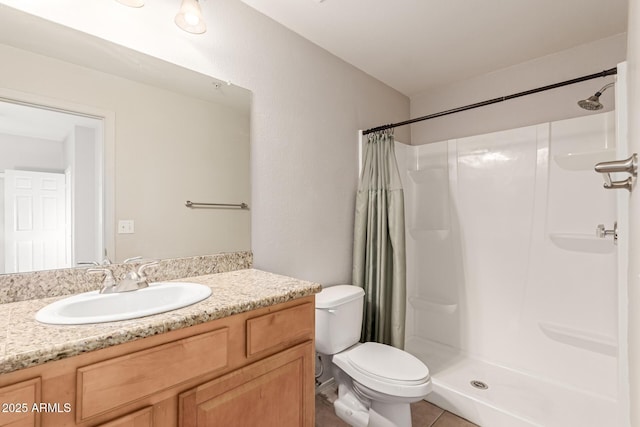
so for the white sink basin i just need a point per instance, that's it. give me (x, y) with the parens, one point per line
(93, 307)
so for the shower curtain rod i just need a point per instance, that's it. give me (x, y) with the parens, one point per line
(604, 73)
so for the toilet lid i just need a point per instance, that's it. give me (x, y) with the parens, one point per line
(388, 363)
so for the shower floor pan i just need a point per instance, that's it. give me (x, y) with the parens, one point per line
(511, 398)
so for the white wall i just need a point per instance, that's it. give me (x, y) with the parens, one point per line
(555, 104)
(307, 107)
(21, 152)
(633, 59)
(86, 215)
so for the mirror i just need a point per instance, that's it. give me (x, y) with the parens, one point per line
(51, 179)
(131, 137)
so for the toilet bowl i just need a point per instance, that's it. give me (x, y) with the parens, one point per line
(376, 382)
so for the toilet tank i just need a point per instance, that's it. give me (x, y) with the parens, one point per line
(338, 318)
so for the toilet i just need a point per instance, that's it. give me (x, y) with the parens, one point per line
(376, 382)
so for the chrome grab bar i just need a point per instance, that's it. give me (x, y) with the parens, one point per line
(629, 166)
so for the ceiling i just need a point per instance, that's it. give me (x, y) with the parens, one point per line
(415, 45)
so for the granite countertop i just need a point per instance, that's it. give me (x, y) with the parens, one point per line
(24, 342)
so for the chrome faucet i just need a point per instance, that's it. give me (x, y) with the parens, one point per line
(135, 280)
(132, 281)
(109, 282)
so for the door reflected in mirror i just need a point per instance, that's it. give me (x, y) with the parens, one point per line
(51, 211)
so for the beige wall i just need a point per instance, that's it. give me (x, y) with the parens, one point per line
(307, 108)
(169, 148)
(555, 104)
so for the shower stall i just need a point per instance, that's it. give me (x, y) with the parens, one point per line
(515, 281)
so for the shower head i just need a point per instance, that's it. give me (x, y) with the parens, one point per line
(592, 103)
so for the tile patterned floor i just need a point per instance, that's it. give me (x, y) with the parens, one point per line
(423, 414)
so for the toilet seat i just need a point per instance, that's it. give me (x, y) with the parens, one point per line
(385, 369)
(387, 363)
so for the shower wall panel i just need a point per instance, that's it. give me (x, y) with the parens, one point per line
(504, 265)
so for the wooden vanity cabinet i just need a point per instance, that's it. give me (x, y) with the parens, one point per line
(268, 393)
(141, 418)
(249, 369)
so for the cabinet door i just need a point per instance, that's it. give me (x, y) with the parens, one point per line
(141, 418)
(274, 392)
(17, 402)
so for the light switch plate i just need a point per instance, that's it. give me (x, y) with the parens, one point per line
(125, 226)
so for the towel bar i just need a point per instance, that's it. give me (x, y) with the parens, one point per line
(191, 204)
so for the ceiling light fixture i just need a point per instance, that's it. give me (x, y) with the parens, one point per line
(132, 3)
(190, 17)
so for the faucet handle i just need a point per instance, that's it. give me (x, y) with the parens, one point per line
(108, 275)
(135, 258)
(143, 267)
(108, 283)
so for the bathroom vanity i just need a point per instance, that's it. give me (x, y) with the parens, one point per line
(243, 357)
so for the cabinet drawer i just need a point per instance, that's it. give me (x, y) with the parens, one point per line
(106, 385)
(279, 329)
(17, 402)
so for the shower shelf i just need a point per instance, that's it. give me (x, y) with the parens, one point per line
(582, 243)
(584, 161)
(580, 338)
(432, 305)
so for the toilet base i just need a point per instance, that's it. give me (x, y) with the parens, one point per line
(361, 412)
(352, 412)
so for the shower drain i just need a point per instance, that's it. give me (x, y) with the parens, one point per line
(479, 384)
